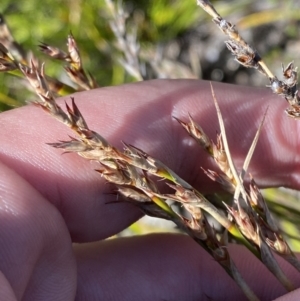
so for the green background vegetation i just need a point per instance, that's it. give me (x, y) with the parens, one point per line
(159, 23)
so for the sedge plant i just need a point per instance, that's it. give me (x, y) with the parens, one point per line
(245, 219)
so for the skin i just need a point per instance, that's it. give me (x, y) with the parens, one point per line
(49, 202)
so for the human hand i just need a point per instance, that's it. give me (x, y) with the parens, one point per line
(49, 200)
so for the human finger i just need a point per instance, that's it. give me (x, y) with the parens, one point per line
(36, 258)
(168, 267)
(141, 114)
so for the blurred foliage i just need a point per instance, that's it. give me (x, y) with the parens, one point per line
(32, 22)
(159, 22)
(285, 207)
